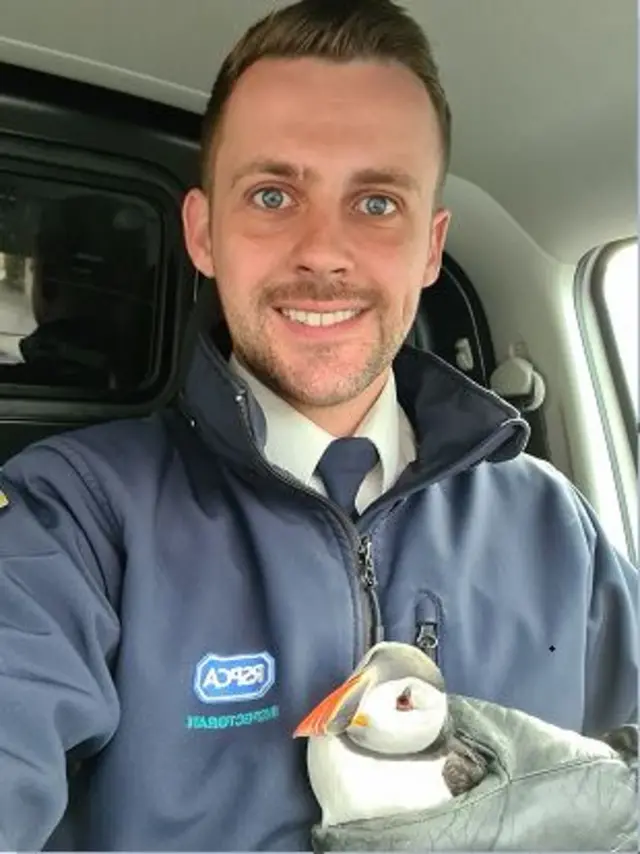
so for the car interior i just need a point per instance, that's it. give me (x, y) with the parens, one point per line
(100, 107)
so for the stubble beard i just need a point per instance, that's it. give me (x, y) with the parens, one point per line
(309, 381)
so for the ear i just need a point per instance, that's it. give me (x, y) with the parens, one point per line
(438, 237)
(197, 234)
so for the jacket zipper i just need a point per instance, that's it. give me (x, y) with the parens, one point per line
(375, 629)
(362, 546)
(427, 628)
(427, 639)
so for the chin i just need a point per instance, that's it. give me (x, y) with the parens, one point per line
(329, 383)
(321, 392)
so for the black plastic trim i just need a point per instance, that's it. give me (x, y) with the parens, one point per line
(436, 314)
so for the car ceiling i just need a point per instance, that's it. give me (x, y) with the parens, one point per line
(543, 92)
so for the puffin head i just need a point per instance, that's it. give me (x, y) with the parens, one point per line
(395, 703)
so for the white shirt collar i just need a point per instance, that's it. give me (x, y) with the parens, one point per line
(296, 444)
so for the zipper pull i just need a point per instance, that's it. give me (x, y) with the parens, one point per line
(370, 582)
(367, 569)
(427, 639)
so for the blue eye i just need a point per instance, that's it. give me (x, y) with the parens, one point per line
(377, 206)
(271, 198)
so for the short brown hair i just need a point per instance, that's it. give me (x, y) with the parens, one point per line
(338, 30)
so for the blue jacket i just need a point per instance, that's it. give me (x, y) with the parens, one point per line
(171, 607)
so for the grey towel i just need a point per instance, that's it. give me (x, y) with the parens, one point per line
(547, 789)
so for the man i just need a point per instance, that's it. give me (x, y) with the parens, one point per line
(177, 592)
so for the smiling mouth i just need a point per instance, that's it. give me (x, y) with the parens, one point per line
(320, 318)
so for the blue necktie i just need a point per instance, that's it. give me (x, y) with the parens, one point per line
(343, 467)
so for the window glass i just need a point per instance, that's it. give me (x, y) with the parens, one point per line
(620, 297)
(78, 278)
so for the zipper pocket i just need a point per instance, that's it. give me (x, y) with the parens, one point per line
(427, 628)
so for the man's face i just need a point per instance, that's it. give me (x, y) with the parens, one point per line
(321, 230)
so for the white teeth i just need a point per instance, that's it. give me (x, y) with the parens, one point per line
(316, 318)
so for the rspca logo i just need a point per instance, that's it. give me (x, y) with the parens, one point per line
(235, 678)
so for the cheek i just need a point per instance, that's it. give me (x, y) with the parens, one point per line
(411, 305)
(402, 280)
(244, 261)
(399, 260)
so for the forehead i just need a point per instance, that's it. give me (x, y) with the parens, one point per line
(316, 112)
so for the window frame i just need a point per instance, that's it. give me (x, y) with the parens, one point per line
(31, 159)
(609, 341)
(608, 382)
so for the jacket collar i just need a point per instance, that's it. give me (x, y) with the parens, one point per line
(457, 423)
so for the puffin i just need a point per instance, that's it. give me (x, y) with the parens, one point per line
(383, 742)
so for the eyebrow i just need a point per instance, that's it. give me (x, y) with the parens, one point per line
(388, 177)
(277, 168)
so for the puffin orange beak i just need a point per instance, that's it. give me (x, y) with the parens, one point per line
(318, 721)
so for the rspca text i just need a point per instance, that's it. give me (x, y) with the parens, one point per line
(223, 679)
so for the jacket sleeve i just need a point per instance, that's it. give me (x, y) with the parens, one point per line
(613, 642)
(58, 636)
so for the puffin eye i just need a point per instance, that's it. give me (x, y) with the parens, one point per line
(403, 702)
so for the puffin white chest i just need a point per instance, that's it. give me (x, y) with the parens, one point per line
(351, 784)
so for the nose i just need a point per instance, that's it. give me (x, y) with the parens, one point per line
(321, 248)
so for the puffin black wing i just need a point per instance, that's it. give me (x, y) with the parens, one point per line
(624, 740)
(464, 768)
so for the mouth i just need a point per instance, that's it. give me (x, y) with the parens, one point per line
(325, 717)
(315, 319)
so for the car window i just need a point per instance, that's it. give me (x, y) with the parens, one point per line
(78, 271)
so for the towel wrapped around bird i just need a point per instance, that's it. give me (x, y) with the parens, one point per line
(397, 764)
